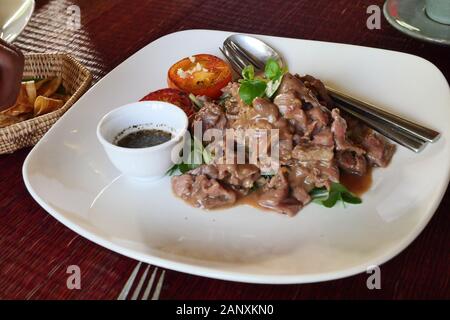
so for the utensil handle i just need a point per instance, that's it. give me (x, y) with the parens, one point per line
(397, 122)
(410, 142)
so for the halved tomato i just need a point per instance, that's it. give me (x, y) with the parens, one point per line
(201, 74)
(174, 96)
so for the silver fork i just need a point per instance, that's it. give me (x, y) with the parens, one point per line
(138, 291)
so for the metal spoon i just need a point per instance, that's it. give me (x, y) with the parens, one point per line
(242, 50)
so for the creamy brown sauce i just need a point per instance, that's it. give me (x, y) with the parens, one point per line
(144, 138)
(354, 183)
(357, 184)
(250, 199)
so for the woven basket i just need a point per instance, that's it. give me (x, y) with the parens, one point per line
(75, 79)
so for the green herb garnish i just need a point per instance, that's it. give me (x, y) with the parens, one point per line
(253, 87)
(337, 192)
(250, 89)
(197, 103)
(273, 70)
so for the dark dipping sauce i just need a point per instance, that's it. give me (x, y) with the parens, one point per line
(144, 138)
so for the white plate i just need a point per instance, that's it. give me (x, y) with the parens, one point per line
(14, 16)
(69, 175)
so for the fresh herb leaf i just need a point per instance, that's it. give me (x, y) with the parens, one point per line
(248, 73)
(333, 197)
(172, 170)
(250, 89)
(272, 87)
(350, 198)
(185, 167)
(266, 85)
(197, 103)
(273, 70)
(337, 192)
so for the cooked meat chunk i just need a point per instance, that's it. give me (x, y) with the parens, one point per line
(209, 170)
(299, 193)
(313, 174)
(211, 116)
(311, 152)
(351, 162)
(233, 102)
(324, 138)
(202, 191)
(182, 185)
(300, 106)
(319, 90)
(242, 175)
(291, 83)
(290, 107)
(339, 129)
(266, 110)
(379, 151)
(319, 115)
(276, 195)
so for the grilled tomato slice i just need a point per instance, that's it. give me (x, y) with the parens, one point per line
(201, 74)
(173, 96)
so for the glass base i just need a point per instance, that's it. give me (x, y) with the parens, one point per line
(411, 18)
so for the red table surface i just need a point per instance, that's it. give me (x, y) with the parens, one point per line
(35, 249)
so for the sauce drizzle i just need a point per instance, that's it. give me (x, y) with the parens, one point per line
(357, 184)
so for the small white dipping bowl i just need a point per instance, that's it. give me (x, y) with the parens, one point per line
(148, 163)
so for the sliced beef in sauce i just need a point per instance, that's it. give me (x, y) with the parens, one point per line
(232, 102)
(240, 175)
(339, 129)
(379, 150)
(291, 83)
(351, 162)
(211, 116)
(290, 107)
(320, 116)
(314, 174)
(202, 191)
(276, 195)
(324, 137)
(318, 89)
(312, 152)
(315, 143)
(265, 110)
(299, 105)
